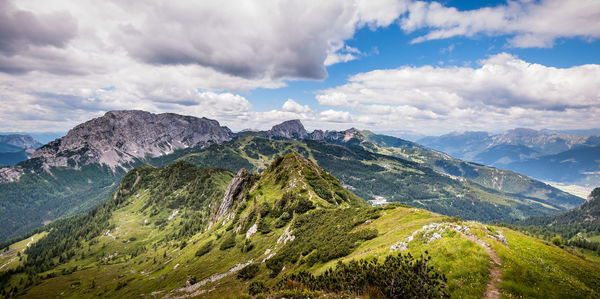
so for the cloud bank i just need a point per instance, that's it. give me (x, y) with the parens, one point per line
(503, 92)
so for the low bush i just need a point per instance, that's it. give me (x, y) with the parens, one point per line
(398, 276)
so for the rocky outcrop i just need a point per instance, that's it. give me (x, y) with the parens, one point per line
(337, 136)
(120, 137)
(233, 192)
(291, 129)
(10, 174)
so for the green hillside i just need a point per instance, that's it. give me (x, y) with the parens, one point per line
(494, 178)
(374, 176)
(184, 231)
(579, 226)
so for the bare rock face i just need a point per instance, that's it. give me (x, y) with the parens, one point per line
(10, 174)
(336, 136)
(121, 137)
(291, 129)
(234, 190)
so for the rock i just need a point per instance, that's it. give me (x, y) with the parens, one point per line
(291, 129)
(251, 231)
(339, 137)
(10, 174)
(121, 137)
(233, 191)
(400, 246)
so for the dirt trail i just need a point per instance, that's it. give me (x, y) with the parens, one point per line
(493, 287)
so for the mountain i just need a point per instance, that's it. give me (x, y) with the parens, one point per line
(580, 223)
(122, 137)
(381, 178)
(15, 148)
(580, 165)
(75, 173)
(80, 170)
(291, 231)
(291, 129)
(16, 142)
(533, 153)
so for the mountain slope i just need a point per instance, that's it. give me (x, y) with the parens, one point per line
(581, 165)
(80, 170)
(8, 143)
(380, 178)
(581, 222)
(493, 178)
(160, 236)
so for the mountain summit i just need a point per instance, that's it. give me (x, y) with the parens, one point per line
(121, 137)
(291, 129)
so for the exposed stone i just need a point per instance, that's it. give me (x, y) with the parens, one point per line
(291, 129)
(233, 191)
(400, 246)
(121, 137)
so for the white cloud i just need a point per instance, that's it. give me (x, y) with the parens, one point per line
(532, 23)
(336, 116)
(292, 106)
(55, 57)
(503, 91)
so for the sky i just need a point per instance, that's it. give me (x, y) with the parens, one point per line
(397, 66)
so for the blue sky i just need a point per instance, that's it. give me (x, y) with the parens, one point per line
(398, 66)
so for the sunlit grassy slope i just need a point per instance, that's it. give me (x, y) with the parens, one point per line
(158, 237)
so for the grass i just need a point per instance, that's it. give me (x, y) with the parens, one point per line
(536, 269)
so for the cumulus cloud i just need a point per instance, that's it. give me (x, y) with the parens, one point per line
(504, 90)
(57, 56)
(531, 23)
(293, 106)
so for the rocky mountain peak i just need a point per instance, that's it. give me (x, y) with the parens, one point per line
(291, 129)
(337, 136)
(121, 137)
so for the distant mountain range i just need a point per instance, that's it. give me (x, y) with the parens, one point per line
(545, 155)
(15, 148)
(80, 170)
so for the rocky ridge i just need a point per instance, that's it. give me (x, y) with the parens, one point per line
(121, 137)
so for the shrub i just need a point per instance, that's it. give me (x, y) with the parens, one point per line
(248, 272)
(557, 240)
(228, 242)
(399, 276)
(264, 226)
(204, 249)
(257, 287)
(247, 246)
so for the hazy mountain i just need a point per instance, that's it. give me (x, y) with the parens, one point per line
(540, 154)
(8, 143)
(291, 231)
(15, 148)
